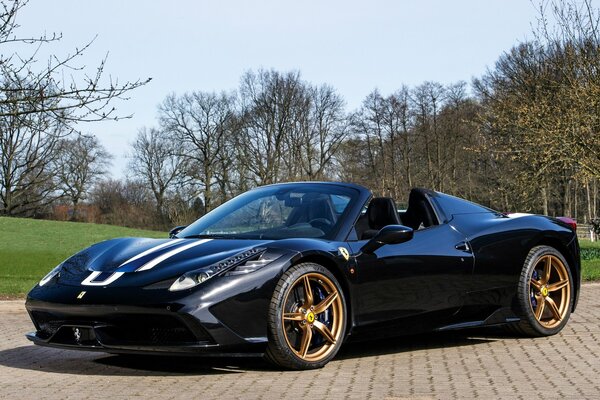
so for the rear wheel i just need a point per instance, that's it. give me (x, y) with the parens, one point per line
(545, 292)
(307, 318)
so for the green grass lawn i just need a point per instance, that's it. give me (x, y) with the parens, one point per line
(590, 270)
(590, 260)
(586, 244)
(30, 248)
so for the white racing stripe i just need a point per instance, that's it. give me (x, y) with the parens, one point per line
(517, 215)
(107, 281)
(153, 249)
(151, 264)
(89, 281)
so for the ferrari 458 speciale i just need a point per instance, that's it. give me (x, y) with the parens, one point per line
(294, 270)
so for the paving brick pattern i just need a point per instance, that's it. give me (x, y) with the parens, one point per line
(473, 364)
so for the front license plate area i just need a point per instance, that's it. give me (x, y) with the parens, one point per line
(76, 335)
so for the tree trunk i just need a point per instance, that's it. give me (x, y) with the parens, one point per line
(544, 200)
(75, 209)
(588, 199)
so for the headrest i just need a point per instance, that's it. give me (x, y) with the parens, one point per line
(382, 212)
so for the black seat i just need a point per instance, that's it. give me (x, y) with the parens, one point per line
(381, 212)
(314, 206)
(419, 212)
(321, 208)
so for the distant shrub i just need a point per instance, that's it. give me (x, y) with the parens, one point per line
(590, 253)
(595, 225)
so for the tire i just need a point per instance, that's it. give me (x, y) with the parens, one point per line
(305, 333)
(545, 293)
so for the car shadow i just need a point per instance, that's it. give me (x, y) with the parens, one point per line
(434, 340)
(46, 359)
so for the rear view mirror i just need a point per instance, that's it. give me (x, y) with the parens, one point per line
(176, 230)
(390, 234)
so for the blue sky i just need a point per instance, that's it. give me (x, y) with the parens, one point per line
(356, 46)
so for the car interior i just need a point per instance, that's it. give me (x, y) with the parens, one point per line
(314, 207)
(316, 211)
(382, 211)
(315, 215)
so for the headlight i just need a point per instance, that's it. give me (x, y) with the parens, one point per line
(189, 280)
(241, 263)
(51, 274)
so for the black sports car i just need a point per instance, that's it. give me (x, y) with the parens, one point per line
(293, 270)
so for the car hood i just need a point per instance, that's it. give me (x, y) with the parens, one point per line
(140, 261)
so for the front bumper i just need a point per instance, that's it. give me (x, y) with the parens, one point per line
(225, 316)
(132, 329)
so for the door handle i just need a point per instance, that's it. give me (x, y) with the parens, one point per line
(463, 246)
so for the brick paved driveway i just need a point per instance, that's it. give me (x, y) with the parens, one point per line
(471, 364)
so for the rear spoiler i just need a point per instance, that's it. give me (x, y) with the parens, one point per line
(569, 221)
(566, 220)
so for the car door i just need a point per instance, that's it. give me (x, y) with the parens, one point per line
(428, 273)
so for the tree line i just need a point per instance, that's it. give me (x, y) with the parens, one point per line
(524, 136)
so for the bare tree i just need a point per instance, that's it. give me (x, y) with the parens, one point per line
(202, 124)
(397, 130)
(327, 128)
(42, 88)
(428, 100)
(125, 202)
(80, 163)
(368, 124)
(28, 143)
(157, 161)
(39, 105)
(272, 113)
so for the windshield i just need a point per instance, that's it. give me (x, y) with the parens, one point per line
(277, 212)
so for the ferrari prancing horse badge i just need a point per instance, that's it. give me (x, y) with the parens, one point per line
(344, 252)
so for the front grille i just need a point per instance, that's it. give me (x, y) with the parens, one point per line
(155, 330)
(126, 329)
(46, 324)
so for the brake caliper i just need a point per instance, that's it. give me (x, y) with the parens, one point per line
(535, 276)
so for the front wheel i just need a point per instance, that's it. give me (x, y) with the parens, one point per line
(307, 318)
(545, 292)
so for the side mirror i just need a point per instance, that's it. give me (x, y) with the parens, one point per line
(390, 234)
(176, 230)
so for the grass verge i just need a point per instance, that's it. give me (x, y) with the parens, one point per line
(30, 248)
(590, 270)
(590, 260)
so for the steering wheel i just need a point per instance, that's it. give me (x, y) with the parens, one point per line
(321, 223)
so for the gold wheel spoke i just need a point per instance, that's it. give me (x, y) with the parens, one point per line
(308, 294)
(305, 342)
(312, 294)
(547, 270)
(558, 285)
(536, 284)
(539, 310)
(296, 316)
(552, 291)
(324, 330)
(553, 308)
(324, 305)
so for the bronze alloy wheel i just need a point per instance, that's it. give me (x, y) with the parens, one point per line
(312, 317)
(550, 291)
(545, 293)
(307, 318)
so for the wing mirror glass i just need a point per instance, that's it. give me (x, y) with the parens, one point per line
(176, 230)
(391, 234)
